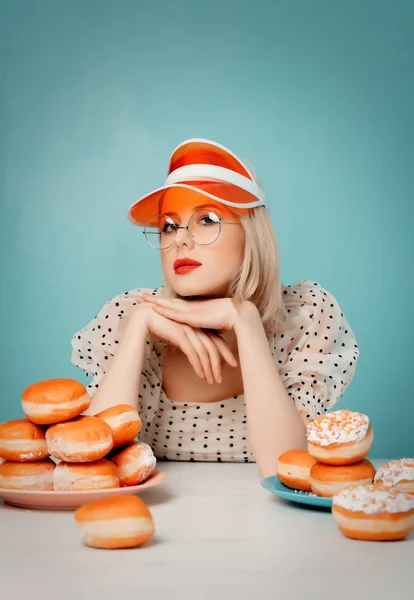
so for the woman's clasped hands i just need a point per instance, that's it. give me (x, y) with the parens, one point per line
(194, 327)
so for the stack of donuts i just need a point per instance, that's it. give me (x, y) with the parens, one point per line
(55, 448)
(366, 504)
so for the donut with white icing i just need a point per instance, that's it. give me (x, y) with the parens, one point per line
(21, 440)
(328, 480)
(54, 400)
(120, 522)
(124, 422)
(340, 437)
(365, 512)
(293, 469)
(35, 475)
(135, 463)
(397, 474)
(98, 475)
(83, 439)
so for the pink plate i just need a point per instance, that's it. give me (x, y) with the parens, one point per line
(71, 500)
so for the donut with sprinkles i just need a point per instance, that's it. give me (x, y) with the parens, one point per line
(396, 474)
(365, 512)
(340, 437)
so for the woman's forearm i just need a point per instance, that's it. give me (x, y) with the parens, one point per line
(120, 384)
(273, 423)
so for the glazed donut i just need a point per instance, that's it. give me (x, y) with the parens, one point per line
(135, 463)
(293, 469)
(124, 422)
(341, 437)
(35, 475)
(22, 440)
(327, 480)
(120, 522)
(54, 401)
(83, 439)
(398, 474)
(97, 475)
(365, 512)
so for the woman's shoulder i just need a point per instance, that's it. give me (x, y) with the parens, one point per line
(125, 301)
(305, 292)
(308, 303)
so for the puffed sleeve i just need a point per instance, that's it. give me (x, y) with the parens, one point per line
(318, 353)
(96, 343)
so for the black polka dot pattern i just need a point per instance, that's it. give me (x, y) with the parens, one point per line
(316, 358)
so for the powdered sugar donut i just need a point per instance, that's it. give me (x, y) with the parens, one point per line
(98, 475)
(327, 480)
(54, 400)
(36, 475)
(135, 463)
(124, 422)
(121, 522)
(397, 474)
(339, 438)
(293, 469)
(22, 440)
(83, 439)
(365, 512)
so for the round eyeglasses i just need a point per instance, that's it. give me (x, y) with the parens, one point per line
(204, 228)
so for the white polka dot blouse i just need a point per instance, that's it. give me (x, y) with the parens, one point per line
(316, 358)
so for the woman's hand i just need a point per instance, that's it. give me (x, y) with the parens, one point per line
(204, 350)
(219, 313)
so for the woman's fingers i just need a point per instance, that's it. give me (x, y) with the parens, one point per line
(223, 348)
(203, 354)
(188, 348)
(213, 353)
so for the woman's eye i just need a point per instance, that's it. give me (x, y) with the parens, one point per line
(168, 228)
(208, 221)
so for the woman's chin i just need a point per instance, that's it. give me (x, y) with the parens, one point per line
(198, 289)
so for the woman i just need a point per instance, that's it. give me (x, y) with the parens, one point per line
(222, 362)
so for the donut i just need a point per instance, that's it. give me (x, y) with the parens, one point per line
(22, 440)
(341, 437)
(83, 439)
(120, 522)
(293, 469)
(35, 475)
(398, 474)
(97, 475)
(135, 463)
(327, 480)
(124, 422)
(54, 400)
(365, 512)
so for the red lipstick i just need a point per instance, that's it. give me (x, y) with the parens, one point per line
(185, 265)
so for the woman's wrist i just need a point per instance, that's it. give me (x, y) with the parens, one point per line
(138, 319)
(247, 316)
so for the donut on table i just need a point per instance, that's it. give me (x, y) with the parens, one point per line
(340, 437)
(54, 400)
(98, 475)
(365, 512)
(120, 522)
(135, 463)
(35, 475)
(293, 469)
(124, 422)
(22, 440)
(84, 439)
(397, 474)
(328, 480)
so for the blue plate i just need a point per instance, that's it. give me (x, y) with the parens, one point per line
(274, 486)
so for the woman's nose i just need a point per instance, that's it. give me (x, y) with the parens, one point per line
(182, 236)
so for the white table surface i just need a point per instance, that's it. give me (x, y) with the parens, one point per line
(218, 534)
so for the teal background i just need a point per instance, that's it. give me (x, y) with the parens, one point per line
(317, 95)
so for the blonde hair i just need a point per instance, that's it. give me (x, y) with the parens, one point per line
(258, 279)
